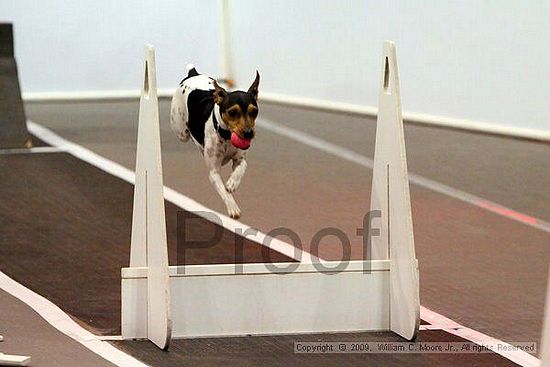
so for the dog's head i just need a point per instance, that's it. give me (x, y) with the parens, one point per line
(239, 109)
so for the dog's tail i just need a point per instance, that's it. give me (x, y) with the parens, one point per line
(191, 71)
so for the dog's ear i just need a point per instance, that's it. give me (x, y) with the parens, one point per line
(254, 87)
(219, 93)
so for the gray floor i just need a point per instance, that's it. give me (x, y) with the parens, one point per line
(512, 172)
(480, 269)
(27, 333)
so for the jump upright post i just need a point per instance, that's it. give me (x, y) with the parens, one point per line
(390, 195)
(149, 248)
(379, 294)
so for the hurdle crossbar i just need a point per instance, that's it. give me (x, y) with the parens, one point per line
(378, 294)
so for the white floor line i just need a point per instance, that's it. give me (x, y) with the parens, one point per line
(520, 357)
(110, 337)
(62, 322)
(364, 161)
(33, 150)
(445, 324)
(430, 327)
(171, 195)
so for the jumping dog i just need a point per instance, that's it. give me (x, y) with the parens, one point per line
(222, 125)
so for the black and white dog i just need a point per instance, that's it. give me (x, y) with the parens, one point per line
(220, 123)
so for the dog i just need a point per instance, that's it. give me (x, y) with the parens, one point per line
(222, 125)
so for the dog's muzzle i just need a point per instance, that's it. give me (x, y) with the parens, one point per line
(248, 134)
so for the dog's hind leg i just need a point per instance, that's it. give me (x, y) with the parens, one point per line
(178, 117)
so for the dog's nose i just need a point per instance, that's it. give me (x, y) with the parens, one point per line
(248, 134)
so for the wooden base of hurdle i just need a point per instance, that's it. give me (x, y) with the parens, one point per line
(160, 302)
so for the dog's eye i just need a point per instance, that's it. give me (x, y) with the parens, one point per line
(233, 113)
(253, 113)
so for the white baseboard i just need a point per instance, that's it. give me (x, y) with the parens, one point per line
(419, 118)
(99, 95)
(362, 110)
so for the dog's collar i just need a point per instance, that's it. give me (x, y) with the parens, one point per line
(224, 133)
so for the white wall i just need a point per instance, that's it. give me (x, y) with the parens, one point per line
(478, 60)
(85, 45)
(473, 59)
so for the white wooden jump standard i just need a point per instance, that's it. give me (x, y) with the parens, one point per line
(149, 248)
(390, 195)
(213, 300)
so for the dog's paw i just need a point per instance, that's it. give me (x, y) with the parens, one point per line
(231, 185)
(233, 210)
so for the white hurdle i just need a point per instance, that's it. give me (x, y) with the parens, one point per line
(214, 300)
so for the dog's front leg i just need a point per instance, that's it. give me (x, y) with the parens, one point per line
(239, 168)
(216, 179)
(232, 208)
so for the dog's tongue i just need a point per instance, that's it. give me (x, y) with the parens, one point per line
(239, 142)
